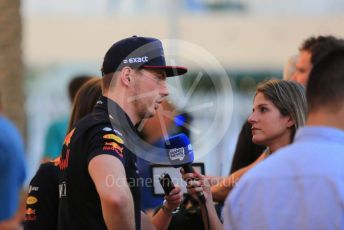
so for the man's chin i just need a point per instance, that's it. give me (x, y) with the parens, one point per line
(151, 113)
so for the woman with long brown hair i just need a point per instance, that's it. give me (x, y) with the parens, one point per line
(42, 202)
(279, 109)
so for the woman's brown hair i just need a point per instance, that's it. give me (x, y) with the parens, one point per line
(85, 100)
(290, 99)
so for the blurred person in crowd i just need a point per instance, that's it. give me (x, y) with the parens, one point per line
(279, 109)
(57, 129)
(12, 172)
(310, 51)
(42, 200)
(301, 186)
(290, 68)
(99, 174)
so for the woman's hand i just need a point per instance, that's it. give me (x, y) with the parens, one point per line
(196, 184)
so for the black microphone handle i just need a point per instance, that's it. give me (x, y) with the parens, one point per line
(189, 169)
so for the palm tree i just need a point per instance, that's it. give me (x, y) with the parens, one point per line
(11, 64)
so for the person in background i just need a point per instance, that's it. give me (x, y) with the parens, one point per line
(290, 68)
(311, 50)
(57, 129)
(297, 69)
(279, 109)
(12, 172)
(301, 186)
(42, 200)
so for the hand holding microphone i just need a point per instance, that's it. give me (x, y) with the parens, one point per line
(180, 154)
(197, 183)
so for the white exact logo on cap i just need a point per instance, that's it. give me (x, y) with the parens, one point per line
(136, 60)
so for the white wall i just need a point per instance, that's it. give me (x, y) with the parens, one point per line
(252, 42)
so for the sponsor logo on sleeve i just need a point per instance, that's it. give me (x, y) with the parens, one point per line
(114, 137)
(113, 146)
(30, 211)
(33, 188)
(31, 200)
(107, 129)
(30, 214)
(118, 132)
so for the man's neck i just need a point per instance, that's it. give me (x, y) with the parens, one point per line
(326, 118)
(122, 100)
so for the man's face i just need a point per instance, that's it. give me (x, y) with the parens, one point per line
(150, 90)
(303, 68)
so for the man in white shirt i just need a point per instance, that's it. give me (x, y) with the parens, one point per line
(302, 185)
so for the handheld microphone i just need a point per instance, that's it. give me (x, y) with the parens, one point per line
(180, 154)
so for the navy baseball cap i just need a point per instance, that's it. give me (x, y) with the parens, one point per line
(138, 52)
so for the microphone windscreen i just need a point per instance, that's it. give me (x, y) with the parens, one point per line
(179, 150)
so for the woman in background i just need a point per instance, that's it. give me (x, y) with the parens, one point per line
(42, 201)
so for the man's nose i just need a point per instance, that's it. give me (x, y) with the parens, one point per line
(294, 77)
(164, 90)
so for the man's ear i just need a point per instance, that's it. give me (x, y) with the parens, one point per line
(125, 76)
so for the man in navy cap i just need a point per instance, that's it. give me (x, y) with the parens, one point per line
(98, 188)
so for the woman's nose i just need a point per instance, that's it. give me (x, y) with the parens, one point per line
(252, 118)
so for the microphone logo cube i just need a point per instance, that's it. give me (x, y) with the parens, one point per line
(176, 154)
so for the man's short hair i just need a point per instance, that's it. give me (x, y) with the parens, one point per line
(319, 46)
(326, 81)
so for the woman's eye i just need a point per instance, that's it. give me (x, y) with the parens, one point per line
(263, 109)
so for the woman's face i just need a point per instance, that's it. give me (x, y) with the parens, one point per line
(269, 127)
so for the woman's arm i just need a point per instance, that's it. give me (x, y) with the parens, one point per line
(221, 189)
(198, 183)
